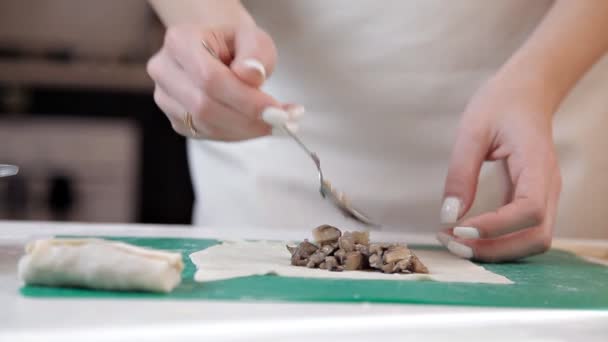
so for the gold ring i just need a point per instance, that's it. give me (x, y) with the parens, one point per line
(190, 124)
(210, 50)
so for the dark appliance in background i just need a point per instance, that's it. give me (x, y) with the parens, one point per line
(77, 115)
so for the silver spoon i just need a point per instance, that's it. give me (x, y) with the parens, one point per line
(8, 170)
(338, 198)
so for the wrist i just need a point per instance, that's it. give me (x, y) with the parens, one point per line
(202, 13)
(530, 87)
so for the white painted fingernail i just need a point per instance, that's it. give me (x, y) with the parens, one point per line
(460, 250)
(443, 238)
(255, 65)
(296, 112)
(466, 232)
(275, 117)
(450, 210)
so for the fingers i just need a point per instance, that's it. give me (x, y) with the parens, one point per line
(194, 76)
(505, 248)
(255, 56)
(215, 79)
(170, 107)
(517, 215)
(527, 209)
(216, 120)
(513, 243)
(211, 126)
(219, 44)
(521, 227)
(172, 80)
(468, 155)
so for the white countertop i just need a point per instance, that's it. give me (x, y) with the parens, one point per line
(161, 320)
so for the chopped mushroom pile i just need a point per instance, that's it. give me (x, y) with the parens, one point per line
(351, 251)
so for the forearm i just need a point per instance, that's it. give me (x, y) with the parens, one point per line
(201, 12)
(570, 39)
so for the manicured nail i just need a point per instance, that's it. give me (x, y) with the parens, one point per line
(466, 232)
(443, 238)
(460, 250)
(296, 112)
(275, 117)
(450, 210)
(255, 65)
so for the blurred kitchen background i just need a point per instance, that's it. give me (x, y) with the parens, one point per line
(77, 115)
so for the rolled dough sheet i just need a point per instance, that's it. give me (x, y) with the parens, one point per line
(233, 259)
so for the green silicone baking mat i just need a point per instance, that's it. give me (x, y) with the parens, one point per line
(553, 280)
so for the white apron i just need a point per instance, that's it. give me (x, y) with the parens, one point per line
(384, 84)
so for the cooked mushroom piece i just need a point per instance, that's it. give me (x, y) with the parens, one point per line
(326, 234)
(347, 242)
(378, 248)
(361, 238)
(363, 249)
(340, 254)
(375, 261)
(396, 253)
(402, 266)
(301, 253)
(353, 261)
(331, 263)
(299, 262)
(417, 266)
(329, 249)
(317, 258)
(337, 251)
(388, 268)
(306, 249)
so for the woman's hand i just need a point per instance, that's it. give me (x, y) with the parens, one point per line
(512, 124)
(509, 119)
(218, 88)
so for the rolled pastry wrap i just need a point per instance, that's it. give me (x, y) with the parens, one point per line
(99, 264)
